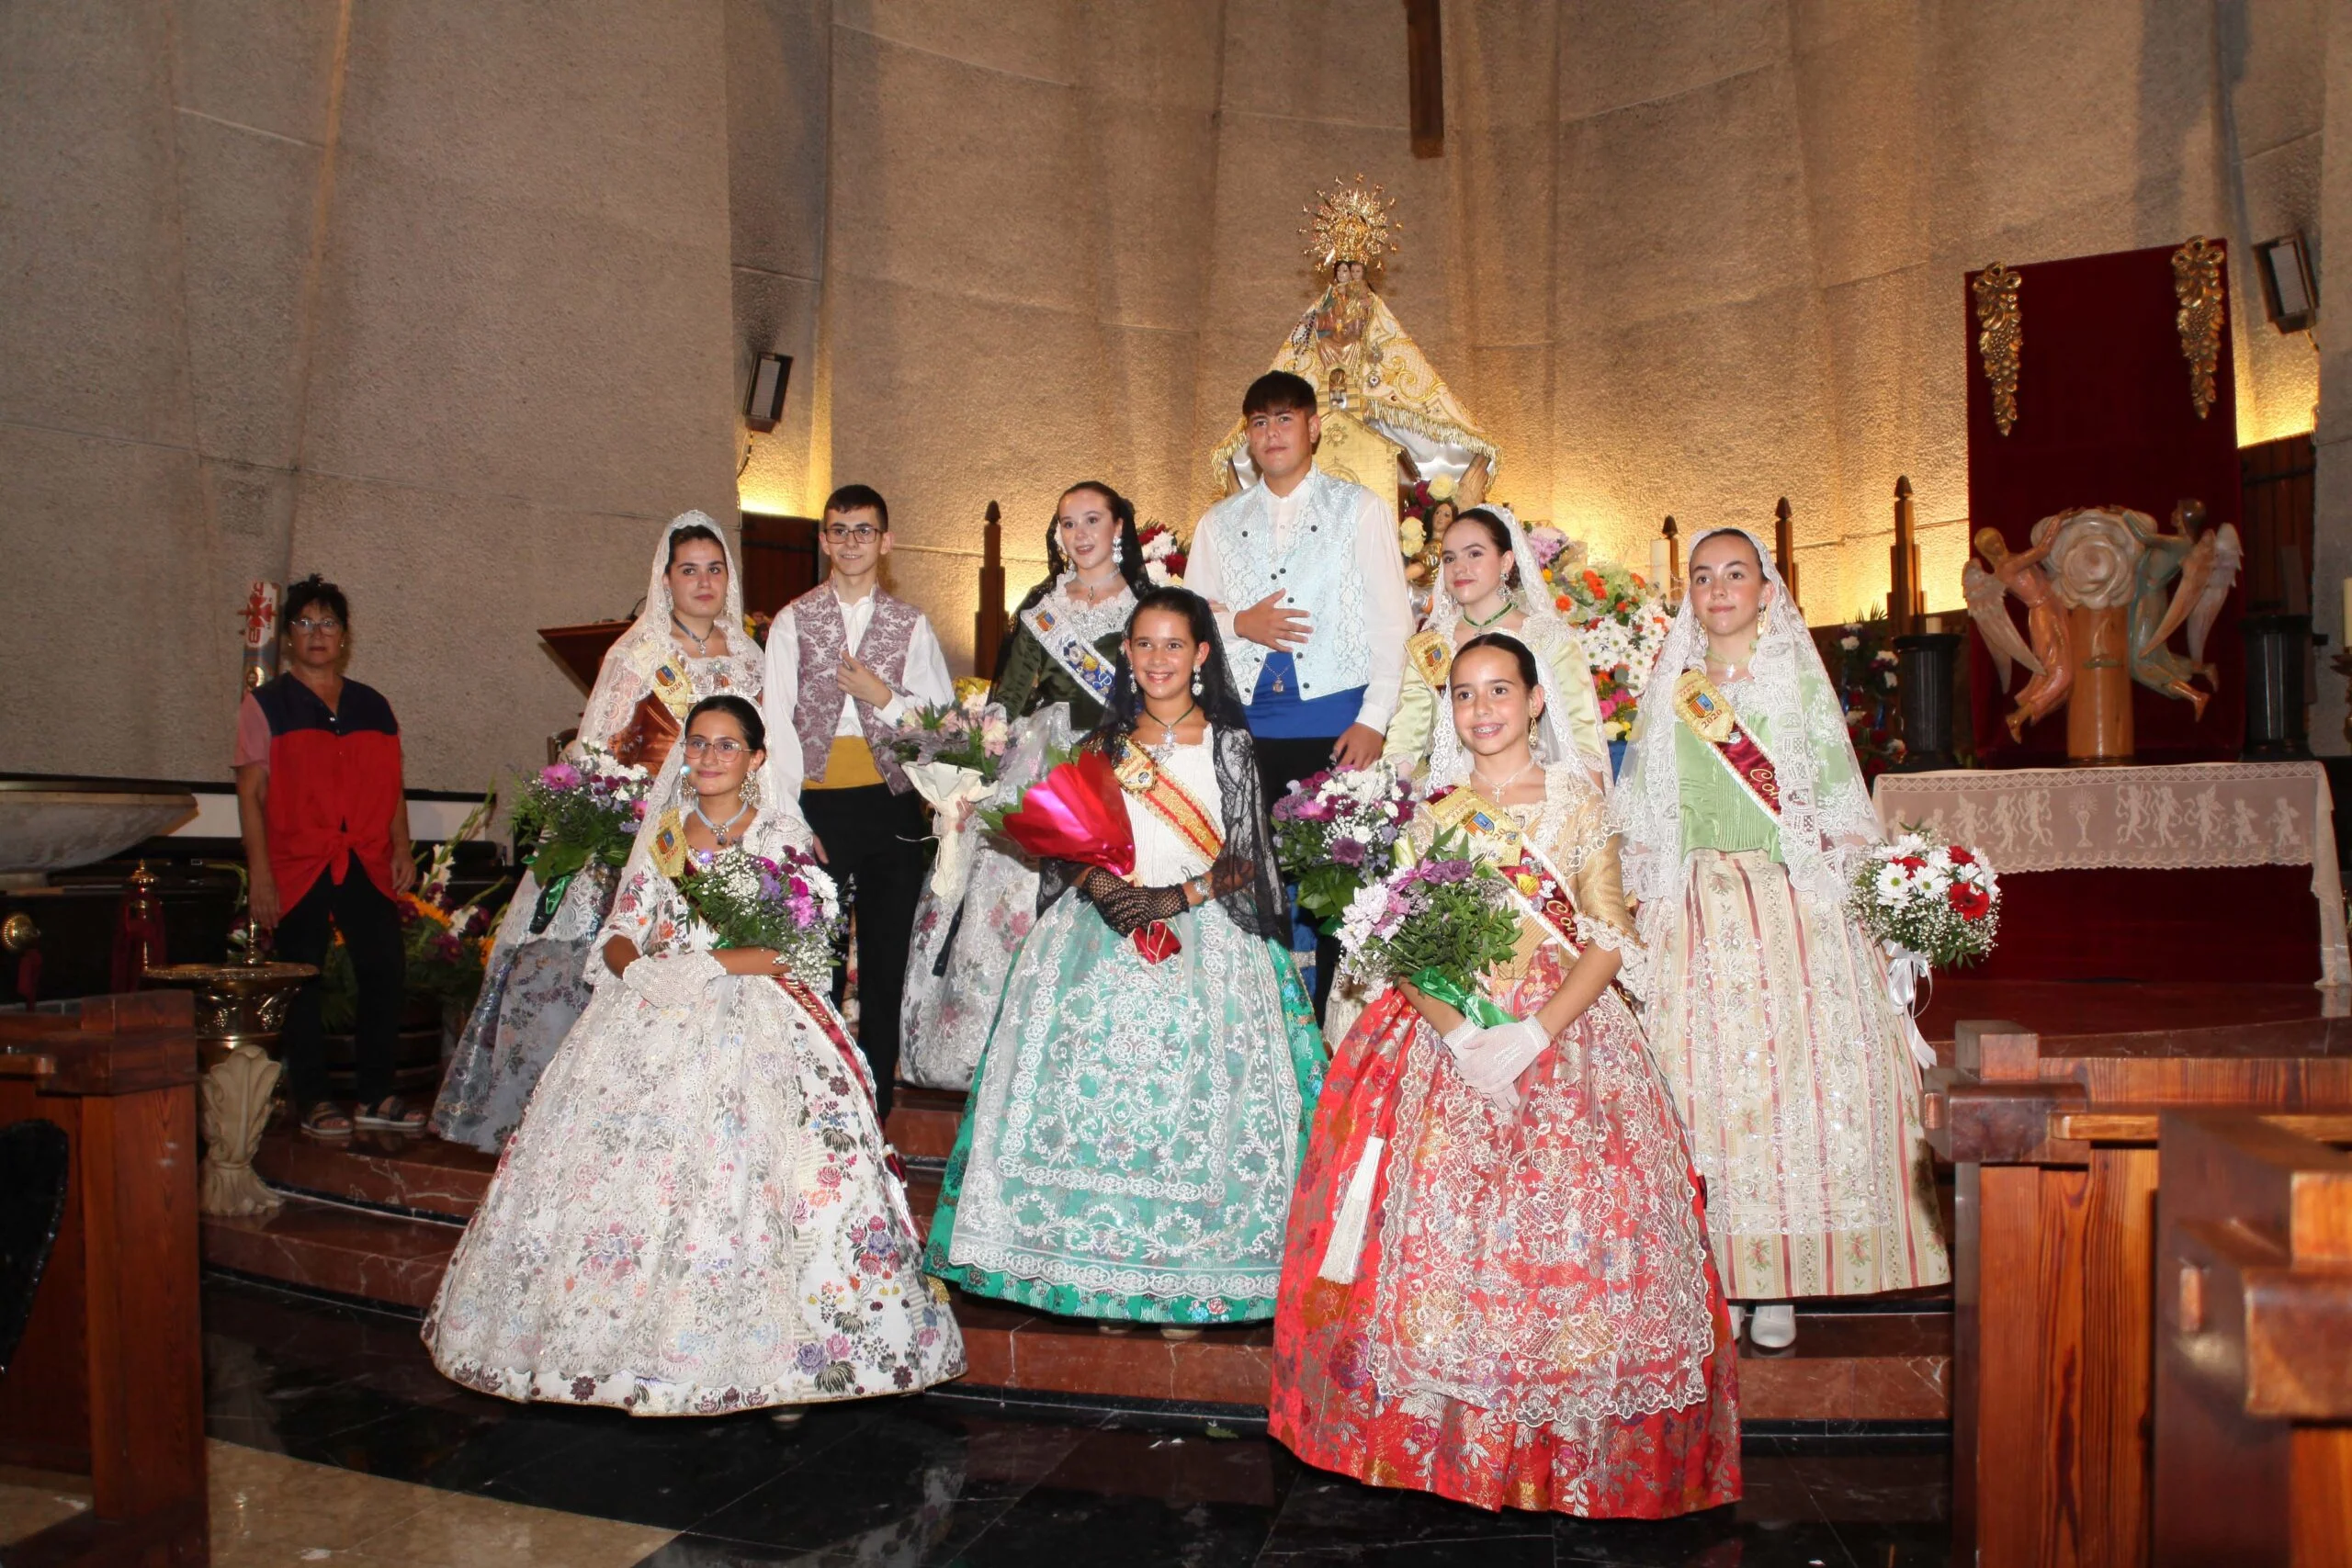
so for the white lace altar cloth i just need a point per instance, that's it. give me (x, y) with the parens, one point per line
(2141, 818)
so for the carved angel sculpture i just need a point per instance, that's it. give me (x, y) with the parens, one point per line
(2047, 651)
(2165, 553)
(2207, 574)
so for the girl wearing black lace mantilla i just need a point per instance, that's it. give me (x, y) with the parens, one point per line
(1135, 1124)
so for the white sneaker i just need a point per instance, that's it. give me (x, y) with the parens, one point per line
(1775, 1326)
(1738, 1319)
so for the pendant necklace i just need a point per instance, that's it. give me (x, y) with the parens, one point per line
(1494, 791)
(1166, 747)
(702, 643)
(1481, 626)
(719, 833)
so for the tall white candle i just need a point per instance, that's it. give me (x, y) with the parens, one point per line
(1660, 568)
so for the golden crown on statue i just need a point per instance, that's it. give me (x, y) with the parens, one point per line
(1350, 222)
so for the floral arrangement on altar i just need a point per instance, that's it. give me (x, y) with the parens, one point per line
(1620, 621)
(446, 942)
(1164, 555)
(1334, 829)
(758, 623)
(790, 905)
(1439, 923)
(1866, 690)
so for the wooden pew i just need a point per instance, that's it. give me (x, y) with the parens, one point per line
(109, 1379)
(2057, 1191)
(2254, 1344)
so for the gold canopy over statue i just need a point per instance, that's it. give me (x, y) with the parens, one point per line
(1379, 397)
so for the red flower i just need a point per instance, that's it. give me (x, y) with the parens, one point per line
(1969, 901)
(1960, 856)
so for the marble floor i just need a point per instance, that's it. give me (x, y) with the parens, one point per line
(334, 1440)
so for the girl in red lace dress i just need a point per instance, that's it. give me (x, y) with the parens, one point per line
(1526, 1315)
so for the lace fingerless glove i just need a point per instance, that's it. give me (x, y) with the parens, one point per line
(1125, 908)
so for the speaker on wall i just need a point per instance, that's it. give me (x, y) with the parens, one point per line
(765, 406)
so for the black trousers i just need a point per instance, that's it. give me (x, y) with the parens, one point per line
(371, 934)
(1281, 763)
(875, 847)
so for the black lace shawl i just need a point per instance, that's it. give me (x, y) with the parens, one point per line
(1246, 881)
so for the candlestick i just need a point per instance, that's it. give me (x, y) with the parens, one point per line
(1661, 570)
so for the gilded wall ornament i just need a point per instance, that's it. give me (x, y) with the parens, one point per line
(2196, 284)
(1351, 222)
(2000, 340)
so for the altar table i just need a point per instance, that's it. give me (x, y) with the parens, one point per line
(2083, 842)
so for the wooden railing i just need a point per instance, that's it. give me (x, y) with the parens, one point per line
(2253, 1409)
(2060, 1178)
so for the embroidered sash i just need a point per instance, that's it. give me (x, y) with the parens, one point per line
(1430, 653)
(1169, 801)
(1712, 719)
(1078, 659)
(1461, 809)
(669, 854)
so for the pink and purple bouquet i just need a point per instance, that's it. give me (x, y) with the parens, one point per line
(580, 812)
(1440, 923)
(971, 735)
(1335, 829)
(790, 905)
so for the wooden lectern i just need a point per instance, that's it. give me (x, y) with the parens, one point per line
(109, 1379)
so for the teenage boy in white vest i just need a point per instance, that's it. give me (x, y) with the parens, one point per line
(846, 661)
(1309, 591)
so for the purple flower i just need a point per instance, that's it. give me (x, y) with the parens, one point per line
(560, 775)
(1347, 851)
(637, 811)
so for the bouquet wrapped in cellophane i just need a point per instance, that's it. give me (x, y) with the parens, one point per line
(1439, 922)
(951, 753)
(1335, 830)
(790, 905)
(1075, 812)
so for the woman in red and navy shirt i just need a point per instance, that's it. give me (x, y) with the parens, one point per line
(325, 818)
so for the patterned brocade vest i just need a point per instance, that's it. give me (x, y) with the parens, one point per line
(1317, 569)
(824, 638)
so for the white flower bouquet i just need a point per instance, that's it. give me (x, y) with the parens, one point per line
(1928, 905)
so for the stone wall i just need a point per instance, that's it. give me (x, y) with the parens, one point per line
(455, 305)
(432, 298)
(1682, 257)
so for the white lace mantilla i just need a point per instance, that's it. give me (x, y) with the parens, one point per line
(2151, 819)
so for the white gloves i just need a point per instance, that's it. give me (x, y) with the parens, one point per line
(673, 981)
(1492, 1059)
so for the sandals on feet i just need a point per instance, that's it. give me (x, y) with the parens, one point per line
(326, 1120)
(392, 1115)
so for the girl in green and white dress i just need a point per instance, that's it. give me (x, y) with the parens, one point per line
(1137, 1121)
(1488, 582)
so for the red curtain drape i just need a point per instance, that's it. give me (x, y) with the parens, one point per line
(2104, 418)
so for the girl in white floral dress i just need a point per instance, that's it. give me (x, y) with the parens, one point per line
(695, 1215)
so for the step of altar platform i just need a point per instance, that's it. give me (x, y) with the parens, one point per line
(924, 1122)
(378, 1218)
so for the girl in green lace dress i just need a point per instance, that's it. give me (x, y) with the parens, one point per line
(1136, 1125)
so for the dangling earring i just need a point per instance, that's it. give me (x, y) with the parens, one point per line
(1196, 680)
(1119, 548)
(751, 787)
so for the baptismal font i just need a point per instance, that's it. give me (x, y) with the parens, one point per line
(240, 1007)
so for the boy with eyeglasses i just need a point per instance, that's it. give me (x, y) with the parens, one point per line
(846, 662)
